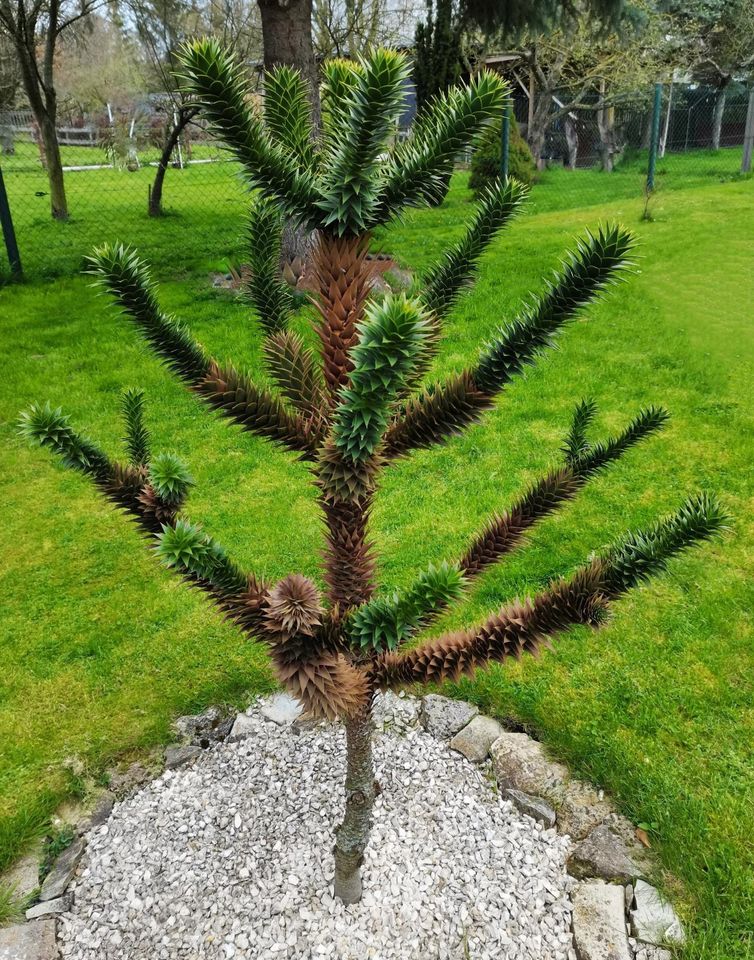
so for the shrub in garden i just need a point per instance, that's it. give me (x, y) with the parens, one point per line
(486, 161)
(363, 401)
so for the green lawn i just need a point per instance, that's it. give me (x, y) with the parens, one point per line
(204, 203)
(101, 647)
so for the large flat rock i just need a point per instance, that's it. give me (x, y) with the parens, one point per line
(475, 739)
(521, 763)
(281, 708)
(599, 924)
(23, 876)
(57, 880)
(29, 941)
(653, 919)
(604, 855)
(443, 717)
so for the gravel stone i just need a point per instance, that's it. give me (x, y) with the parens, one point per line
(602, 854)
(443, 717)
(57, 880)
(29, 941)
(599, 922)
(654, 920)
(476, 738)
(232, 857)
(533, 807)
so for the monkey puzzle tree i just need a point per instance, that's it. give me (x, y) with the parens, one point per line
(364, 402)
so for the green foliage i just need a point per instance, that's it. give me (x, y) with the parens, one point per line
(596, 263)
(170, 478)
(270, 295)
(420, 165)
(437, 51)
(486, 163)
(576, 444)
(287, 114)
(48, 427)
(444, 281)
(136, 439)
(386, 622)
(391, 339)
(586, 459)
(339, 78)
(642, 554)
(186, 548)
(219, 82)
(368, 114)
(119, 270)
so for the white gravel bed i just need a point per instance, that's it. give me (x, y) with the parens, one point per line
(233, 858)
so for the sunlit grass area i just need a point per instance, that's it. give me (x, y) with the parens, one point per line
(101, 647)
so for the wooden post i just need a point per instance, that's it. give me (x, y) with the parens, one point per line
(748, 135)
(9, 234)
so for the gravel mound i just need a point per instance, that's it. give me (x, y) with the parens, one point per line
(233, 858)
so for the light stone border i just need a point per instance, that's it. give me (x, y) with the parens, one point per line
(616, 914)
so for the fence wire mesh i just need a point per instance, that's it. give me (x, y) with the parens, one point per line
(591, 157)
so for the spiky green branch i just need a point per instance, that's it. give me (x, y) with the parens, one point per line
(268, 293)
(443, 283)
(441, 410)
(387, 622)
(136, 439)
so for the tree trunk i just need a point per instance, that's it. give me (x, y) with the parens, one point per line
(717, 118)
(572, 140)
(58, 202)
(155, 194)
(287, 38)
(352, 835)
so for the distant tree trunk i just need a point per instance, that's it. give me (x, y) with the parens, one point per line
(44, 105)
(287, 38)
(352, 835)
(717, 117)
(155, 194)
(646, 133)
(537, 130)
(572, 140)
(54, 163)
(666, 125)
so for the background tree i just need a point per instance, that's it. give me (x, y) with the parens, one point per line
(34, 31)
(437, 51)
(713, 41)
(584, 65)
(10, 83)
(360, 406)
(344, 28)
(162, 26)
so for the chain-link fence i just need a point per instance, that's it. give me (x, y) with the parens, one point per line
(590, 157)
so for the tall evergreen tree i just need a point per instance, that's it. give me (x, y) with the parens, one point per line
(437, 51)
(363, 402)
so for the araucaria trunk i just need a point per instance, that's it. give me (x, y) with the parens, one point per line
(352, 835)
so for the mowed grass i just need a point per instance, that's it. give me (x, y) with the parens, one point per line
(204, 203)
(101, 647)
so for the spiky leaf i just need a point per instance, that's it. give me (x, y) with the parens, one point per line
(444, 281)
(288, 115)
(137, 435)
(269, 294)
(170, 478)
(391, 338)
(120, 271)
(50, 427)
(194, 553)
(597, 262)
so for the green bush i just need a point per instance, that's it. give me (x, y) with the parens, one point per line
(485, 164)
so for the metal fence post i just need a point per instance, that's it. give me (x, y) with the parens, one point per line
(748, 134)
(9, 234)
(656, 111)
(506, 141)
